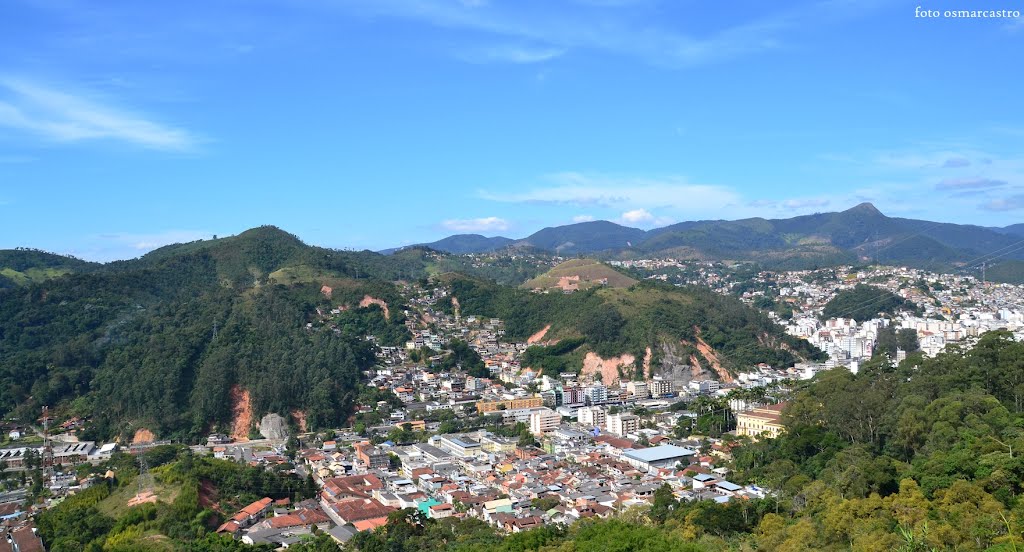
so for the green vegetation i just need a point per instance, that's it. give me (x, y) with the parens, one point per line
(615, 321)
(1007, 271)
(463, 357)
(161, 342)
(865, 302)
(199, 493)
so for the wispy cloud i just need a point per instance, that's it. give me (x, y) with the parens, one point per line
(63, 117)
(485, 224)
(511, 54)
(956, 163)
(572, 188)
(1011, 203)
(583, 218)
(588, 27)
(150, 241)
(969, 183)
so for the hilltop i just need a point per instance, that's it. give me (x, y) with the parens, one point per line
(172, 341)
(579, 274)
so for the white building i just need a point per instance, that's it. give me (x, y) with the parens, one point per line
(661, 387)
(544, 420)
(623, 424)
(592, 416)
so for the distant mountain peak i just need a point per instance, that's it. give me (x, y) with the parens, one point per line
(866, 208)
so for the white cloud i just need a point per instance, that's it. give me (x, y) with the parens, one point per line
(637, 216)
(968, 183)
(64, 117)
(583, 218)
(512, 54)
(623, 192)
(151, 241)
(486, 224)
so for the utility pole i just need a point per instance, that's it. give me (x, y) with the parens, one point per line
(214, 330)
(47, 448)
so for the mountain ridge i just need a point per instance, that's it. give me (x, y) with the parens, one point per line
(860, 233)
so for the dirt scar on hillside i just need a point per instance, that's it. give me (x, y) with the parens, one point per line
(607, 367)
(241, 414)
(535, 338)
(368, 300)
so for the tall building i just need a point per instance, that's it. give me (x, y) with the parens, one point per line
(623, 423)
(544, 420)
(572, 395)
(597, 394)
(660, 387)
(638, 389)
(592, 416)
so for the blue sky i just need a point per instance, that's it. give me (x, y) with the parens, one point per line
(127, 125)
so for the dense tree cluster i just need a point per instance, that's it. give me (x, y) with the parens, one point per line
(864, 302)
(167, 341)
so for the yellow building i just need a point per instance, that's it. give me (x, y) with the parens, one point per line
(483, 407)
(764, 421)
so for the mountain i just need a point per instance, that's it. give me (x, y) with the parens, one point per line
(859, 234)
(461, 244)
(1015, 229)
(197, 337)
(585, 237)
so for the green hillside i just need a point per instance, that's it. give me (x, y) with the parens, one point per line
(160, 342)
(1008, 272)
(21, 267)
(612, 322)
(865, 302)
(584, 273)
(193, 495)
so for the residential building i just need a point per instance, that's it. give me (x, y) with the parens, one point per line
(592, 416)
(623, 423)
(544, 420)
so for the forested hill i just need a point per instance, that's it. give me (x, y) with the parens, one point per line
(162, 341)
(680, 326)
(19, 267)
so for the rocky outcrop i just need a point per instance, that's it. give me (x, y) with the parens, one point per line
(273, 427)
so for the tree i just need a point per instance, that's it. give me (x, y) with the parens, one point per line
(526, 439)
(664, 503)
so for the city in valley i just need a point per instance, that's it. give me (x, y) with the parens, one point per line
(460, 425)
